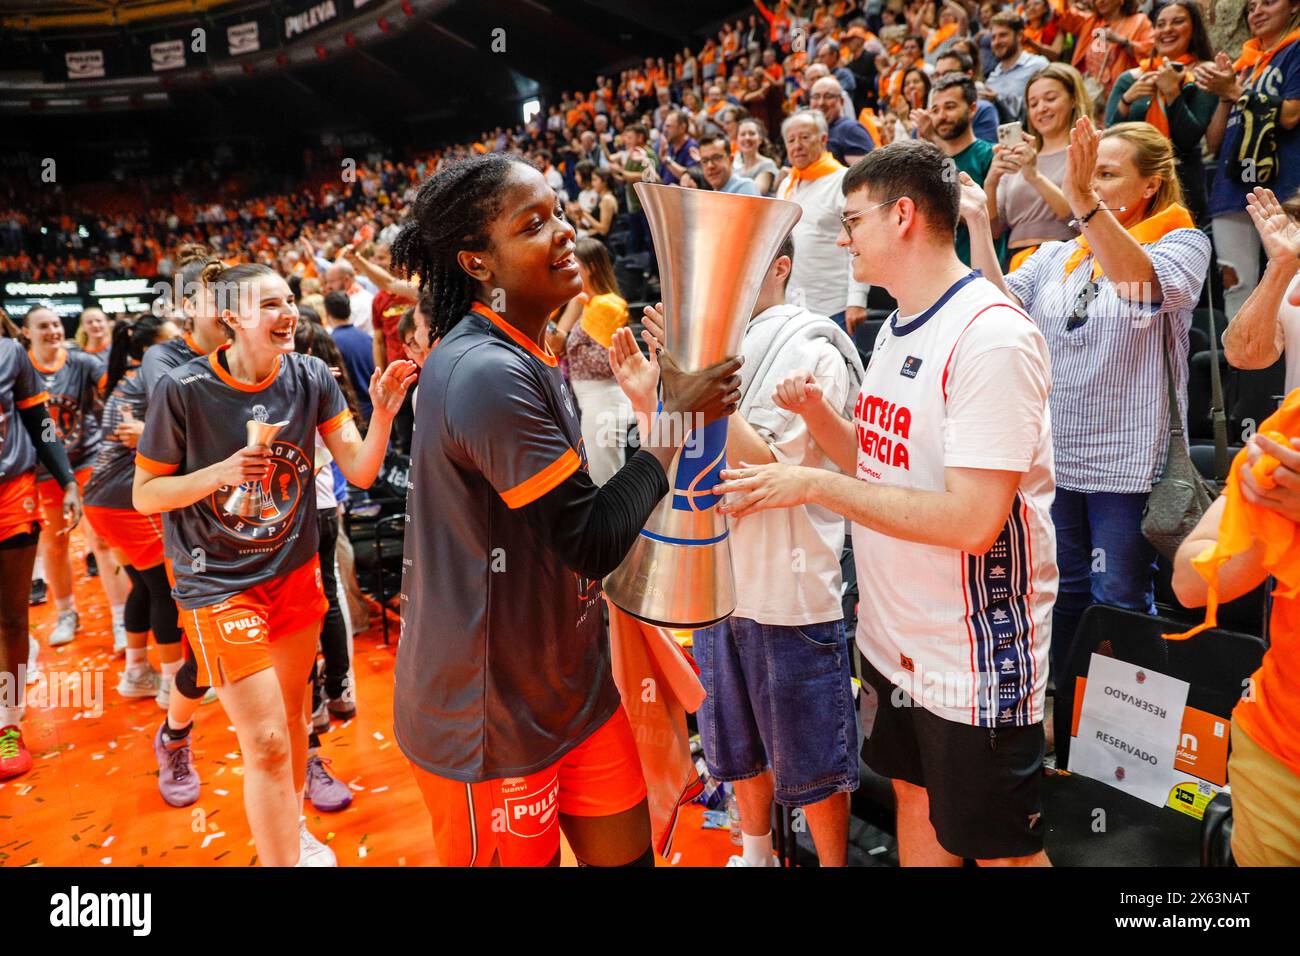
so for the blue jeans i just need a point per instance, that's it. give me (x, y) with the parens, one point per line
(841, 319)
(779, 697)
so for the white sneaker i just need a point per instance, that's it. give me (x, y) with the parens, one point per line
(65, 629)
(164, 695)
(139, 681)
(119, 639)
(33, 652)
(311, 852)
(741, 861)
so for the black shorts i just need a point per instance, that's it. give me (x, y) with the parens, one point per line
(24, 539)
(984, 784)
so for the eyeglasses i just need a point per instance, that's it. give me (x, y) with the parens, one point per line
(714, 158)
(846, 222)
(1079, 317)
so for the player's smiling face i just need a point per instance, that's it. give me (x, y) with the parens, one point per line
(531, 256)
(268, 316)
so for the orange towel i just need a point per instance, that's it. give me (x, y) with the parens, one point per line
(1243, 523)
(659, 686)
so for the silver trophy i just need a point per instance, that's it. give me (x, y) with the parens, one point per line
(253, 498)
(714, 250)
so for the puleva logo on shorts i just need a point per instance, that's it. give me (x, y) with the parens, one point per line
(272, 501)
(530, 814)
(240, 625)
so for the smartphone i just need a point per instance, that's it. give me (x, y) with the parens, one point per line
(1010, 134)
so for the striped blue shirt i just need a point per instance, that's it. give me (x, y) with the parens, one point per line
(1109, 403)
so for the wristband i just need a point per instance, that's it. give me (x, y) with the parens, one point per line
(1080, 222)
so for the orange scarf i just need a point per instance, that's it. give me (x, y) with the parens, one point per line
(824, 166)
(1253, 56)
(939, 35)
(1147, 231)
(1243, 523)
(1156, 111)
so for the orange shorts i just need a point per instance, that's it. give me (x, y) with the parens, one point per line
(232, 640)
(19, 513)
(52, 495)
(139, 537)
(516, 819)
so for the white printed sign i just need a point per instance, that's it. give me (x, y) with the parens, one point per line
(243, 38)
(85, 64)
(167, 55)
(1129, 728)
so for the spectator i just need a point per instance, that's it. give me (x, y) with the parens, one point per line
(1267, 326)
(915, 95)
(715, 164)
(628, 168)
(664, 103)
(341, 277)
(583, 335)
(1115, 306)
(677, 149)
(1026, 204)
(1111, 38)
(1043, 34)
(985, 123)
(355, 345)
(749, 161)
(599, 222)
(947, 123)
(784, 624)
(828, 54)
(1161, 91)
(1260, 91)
(822, 272)
(847, 139)
(1016, 65)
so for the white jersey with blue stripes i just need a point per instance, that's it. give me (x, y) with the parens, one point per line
(963, 385)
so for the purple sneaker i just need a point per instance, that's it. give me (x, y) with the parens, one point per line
(326, 792)
(177, 781)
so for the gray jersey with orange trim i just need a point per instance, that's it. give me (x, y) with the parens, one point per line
(162, 358)
(198, 416)
(504, 665)
(20, 388)
(73, 383)
(114, 470)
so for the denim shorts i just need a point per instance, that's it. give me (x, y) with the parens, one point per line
(779, 697)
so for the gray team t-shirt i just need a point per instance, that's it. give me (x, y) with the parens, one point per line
(114, 470)
(20, 388)
(73, 383)
(198, 416)
(503, 666)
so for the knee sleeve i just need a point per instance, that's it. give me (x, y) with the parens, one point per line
(135, 615)
(163, 615)
(187, 680)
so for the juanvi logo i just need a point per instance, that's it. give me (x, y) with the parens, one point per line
(75, 909)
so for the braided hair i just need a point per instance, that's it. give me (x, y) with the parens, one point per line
(452, 211)
(130, 339)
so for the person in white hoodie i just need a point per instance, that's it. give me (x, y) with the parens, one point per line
(778, 720)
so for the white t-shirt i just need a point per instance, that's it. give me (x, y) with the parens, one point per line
(787, 560)
(1289, 316)
(963, 385)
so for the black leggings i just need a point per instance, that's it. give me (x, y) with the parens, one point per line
(150, 606)
(333, 632)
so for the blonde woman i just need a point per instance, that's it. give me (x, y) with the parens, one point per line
(1115, 306)
(1026, 201)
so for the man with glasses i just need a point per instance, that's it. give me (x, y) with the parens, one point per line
(948, 481)
(847, 139)
(822, 278)
(715, 160)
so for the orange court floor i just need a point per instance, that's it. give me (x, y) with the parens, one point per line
(91, 798)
